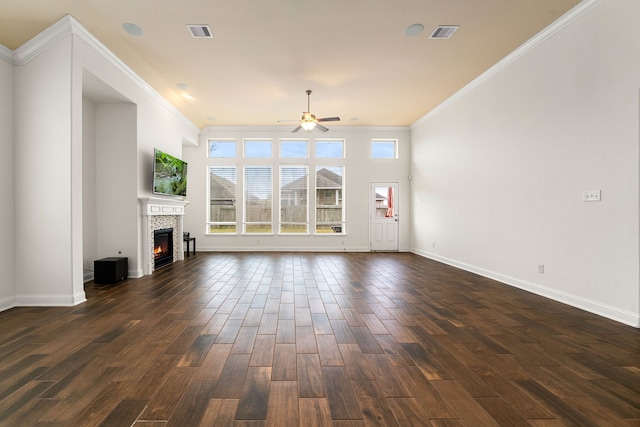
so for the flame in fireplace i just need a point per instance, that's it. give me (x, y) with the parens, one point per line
(162, 246)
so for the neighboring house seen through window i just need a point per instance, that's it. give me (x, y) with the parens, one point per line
(250, 178)
(222, 199)
(258, 199)
(294, 200)
(329, 203)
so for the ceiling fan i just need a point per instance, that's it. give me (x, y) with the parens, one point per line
(309, 121)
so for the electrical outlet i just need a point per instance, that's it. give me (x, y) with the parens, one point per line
(541, 268)
(591, 196)
(433, 244)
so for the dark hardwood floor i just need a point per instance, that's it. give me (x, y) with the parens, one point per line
(297, 339)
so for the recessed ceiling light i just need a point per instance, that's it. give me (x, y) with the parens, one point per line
(189, 96)
(200, 31)
(132, 29)
(211, 118)
(182, 86)
(444, 31)
(353, 119)
(413, 30)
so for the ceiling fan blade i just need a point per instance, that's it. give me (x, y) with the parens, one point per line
(297, 129)
(329, 119)
(322, 128)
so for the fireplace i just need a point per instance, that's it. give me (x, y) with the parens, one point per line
(157, 214)
(162, 247)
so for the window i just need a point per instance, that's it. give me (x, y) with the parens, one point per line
(329, 149)
(384, 202)
(222, 200)
(329, 201)
(294, 217)
(257, 148)
(290, 149)
(384, 149)
(222, 148)
(258, 199)
(276, 186)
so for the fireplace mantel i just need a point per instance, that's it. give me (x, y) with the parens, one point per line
(160, 206)
(152, 207)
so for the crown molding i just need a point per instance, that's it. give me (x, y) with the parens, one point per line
(43, 41)
(6, 54)
(559, 24)
(287, 129)
(68, 25)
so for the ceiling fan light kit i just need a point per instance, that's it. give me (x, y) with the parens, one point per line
(308, 126)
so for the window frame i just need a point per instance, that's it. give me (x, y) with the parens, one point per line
(245, 210)
(224, 141)
(337, 226)
(381, 141)
(210, 223)
(284, 141)
(265, 141)
(281, 222)
(318, 141)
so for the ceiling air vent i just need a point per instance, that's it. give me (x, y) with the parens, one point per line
(444, 31)
(200, 31)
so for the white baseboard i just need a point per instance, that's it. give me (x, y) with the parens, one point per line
(7, 303)
(280, 249)
(613, 313)
(135, 274)
(44, 300)
(87, 276)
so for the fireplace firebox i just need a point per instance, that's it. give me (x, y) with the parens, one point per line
(162, 247)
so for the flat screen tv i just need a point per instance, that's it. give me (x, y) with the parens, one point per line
(169, 175)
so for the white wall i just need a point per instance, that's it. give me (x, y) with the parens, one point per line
(63, 158)
(89, 194)
(116, 171)
(43, 170)
(499, 171)
(360, 169)
(131, 121)
(7, 219)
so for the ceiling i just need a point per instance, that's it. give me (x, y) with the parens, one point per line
(264, 54)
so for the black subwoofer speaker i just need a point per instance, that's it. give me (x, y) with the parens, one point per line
(110, 270)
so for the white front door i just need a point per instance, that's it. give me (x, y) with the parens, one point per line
(383, 206)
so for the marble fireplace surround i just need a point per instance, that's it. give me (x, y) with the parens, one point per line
(159, 213)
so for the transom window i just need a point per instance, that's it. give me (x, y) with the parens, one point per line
(255, 148)
(384, 149)
(222, 148)
(329, 149)
(294, 149)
